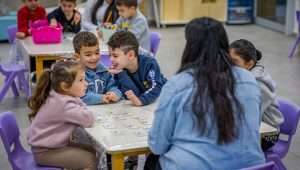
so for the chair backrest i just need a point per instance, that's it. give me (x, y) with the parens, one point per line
(265, 166)
(11, 33)
(9, 132)
(155, 41)
(291, 114)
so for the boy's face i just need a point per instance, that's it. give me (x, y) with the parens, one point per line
(239, 61)
(67, 7)
(126, 12)
(119, 59)
(89, 56)
(31, 4)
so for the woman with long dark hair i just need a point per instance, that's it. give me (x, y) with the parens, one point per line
(99, 11)
(208, 115)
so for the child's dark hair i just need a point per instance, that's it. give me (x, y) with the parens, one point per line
(62, 71)
(84, 39)
(124, 40)
(127, 3)
(246, 50)
(72, 1)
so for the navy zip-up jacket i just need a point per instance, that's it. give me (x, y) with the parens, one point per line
(68, 26)
(146, 82)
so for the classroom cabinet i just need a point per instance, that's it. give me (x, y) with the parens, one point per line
(182, 11)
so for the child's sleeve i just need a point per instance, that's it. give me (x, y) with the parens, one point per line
(22, 21)
(78, 114)
(138, 28)
(156, 81)
(91, 98)
(125, 83)
(113, 87)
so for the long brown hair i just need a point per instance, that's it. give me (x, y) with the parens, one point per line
(62, 71)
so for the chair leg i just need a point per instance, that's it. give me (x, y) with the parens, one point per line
(291, 54)
(14, 88)
(8, 82)
(24, 84)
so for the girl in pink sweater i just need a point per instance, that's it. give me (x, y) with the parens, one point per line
(56, 111)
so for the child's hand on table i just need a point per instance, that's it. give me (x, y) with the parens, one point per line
(112, 96)
(53, 23)
(105, 99)
(133, 98)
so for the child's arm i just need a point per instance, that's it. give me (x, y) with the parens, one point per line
(138, 28)
(22, 24)
(78, 114)
(76, 24)
(91, 98)
(125, 83)
(52, 19)
(156, 80)
(112, 87)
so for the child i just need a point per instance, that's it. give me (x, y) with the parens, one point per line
(29, 12)
(56, 112)
(101, 85)
(133, 20)
(244, 54)
(67, 16)
(138, 76)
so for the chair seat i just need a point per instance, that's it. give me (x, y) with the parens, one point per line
(9, 68)
(25, 161)
(280, 148)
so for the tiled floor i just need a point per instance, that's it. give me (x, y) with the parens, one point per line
(273, 45)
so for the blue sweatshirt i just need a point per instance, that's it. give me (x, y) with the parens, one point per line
(175, 137)
(146, 82)
(100, 81)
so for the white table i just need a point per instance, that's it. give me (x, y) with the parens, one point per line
(44, 52)
(123, 129)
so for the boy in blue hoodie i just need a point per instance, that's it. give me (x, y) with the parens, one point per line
(101, 86)
(138, 75)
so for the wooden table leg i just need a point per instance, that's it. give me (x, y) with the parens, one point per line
(39, 66)
(117, 161)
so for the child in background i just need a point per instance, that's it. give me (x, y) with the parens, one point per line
(138, 76)
(67, 16)
(31, 11)
(244, 54)
(133, 20)
(101, 85)
(57, 111)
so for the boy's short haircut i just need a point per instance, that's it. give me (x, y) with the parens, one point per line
(73, 1)
(84, 39)
(125, 40)
(127, 3)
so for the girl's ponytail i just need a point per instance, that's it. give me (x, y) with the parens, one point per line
(41, 93)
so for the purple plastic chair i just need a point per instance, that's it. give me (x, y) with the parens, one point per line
(155, 41)
(265, 166)
(18, 157)
(11, 32)
(13, 71)
(275, 158)
(291, 113)
(291, 54)
(105, 60)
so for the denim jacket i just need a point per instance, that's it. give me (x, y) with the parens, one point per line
(175, 137)
(99, 83)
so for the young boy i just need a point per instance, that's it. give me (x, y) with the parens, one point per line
(67, 16)
(101, 85)
(29, 12)
(133, 20)
(138, 76)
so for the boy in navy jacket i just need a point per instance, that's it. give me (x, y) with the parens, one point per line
(138, 76)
